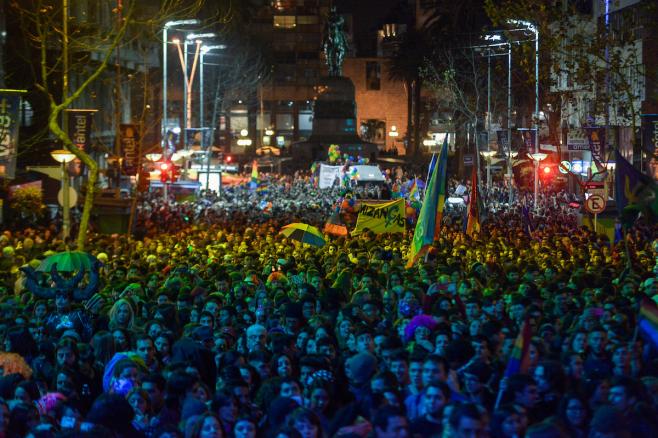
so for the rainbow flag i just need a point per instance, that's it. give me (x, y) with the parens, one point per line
(473, 223)
(648, 320)
(414, 194)
(519, 361)
(253, 184)
(432, 209)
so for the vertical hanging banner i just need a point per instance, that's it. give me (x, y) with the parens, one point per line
(10, 102)
(529, 140)
(596, 140)
(129, 139)
(503, 141)
(79, 130)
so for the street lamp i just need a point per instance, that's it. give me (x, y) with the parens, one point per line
(204, 50)
(63, 156)
(488, 155)
(526, 25)
(197, 38)
(166, 27)
(537, 157)
(244, 140)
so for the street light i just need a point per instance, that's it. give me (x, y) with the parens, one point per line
(488, 155)
(63, 156)
(166, 27)
(204, 50)
(244, 140)
(526, 25)
(537, 157)
(197, 38)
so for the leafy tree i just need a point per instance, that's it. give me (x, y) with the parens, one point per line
(86, 51)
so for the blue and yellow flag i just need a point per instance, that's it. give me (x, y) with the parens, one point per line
(634, 191)
(429, 219)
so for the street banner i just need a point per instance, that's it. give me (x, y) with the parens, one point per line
(650, 134)
(10, 102)
(528, 136)
(79, 130)
(129, 139)
(381, 218)
(596, 142)
(328, 176)
(577, 140)
(503, 140)
(171, 144)
(198, 137)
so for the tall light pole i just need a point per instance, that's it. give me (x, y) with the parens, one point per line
(189, 81)
(166, 27)
(535, 30)
(64, 157)
(488, 156)
(202, 121)
(537, 157)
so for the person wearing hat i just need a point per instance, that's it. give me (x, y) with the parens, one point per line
(359, 369)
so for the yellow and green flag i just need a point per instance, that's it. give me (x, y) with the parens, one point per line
(429, 219)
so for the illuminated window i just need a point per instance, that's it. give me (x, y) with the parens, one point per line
(307, 19)
(284, 21)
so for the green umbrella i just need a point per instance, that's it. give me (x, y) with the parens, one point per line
(304, 233)
(68, 261)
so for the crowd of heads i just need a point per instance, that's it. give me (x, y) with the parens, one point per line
(212, 324)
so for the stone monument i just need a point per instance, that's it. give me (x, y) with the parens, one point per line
(334, 109)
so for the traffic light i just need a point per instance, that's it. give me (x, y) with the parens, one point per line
(174, 173)
(229, 158)
(547, 173)
(165, 170)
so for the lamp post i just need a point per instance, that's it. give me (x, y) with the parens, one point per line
(189, 81)
(488, 155)
(535, 30)
(393, 133)
(202, 121)
(166, 27)
(537, 157)
(63, 156)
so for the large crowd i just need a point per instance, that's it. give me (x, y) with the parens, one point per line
(212, 324)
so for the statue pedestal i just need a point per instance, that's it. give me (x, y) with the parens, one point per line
(334, 122)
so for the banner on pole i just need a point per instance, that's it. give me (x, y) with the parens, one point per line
(328, 176)
(528, 136)
(79, 130)
(388, 217)
(198, 137)
(10, 102)
(129, 139)
(503, 140)
(596, 142)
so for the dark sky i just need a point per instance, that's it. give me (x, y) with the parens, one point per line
(368, 16)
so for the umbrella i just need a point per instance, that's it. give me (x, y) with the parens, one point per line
(68, 261)
(304, 233)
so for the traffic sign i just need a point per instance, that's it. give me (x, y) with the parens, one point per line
(73, 197)
(468, 159)
(565, 166)
(595, 204)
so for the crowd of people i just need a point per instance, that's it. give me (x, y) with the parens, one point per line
(212, 324)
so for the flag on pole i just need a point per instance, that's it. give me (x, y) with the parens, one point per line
(414, 194)
(648, 320)
(427, 225)
(473, 222)
(254, 175)
(519, 361)
(634, 191)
